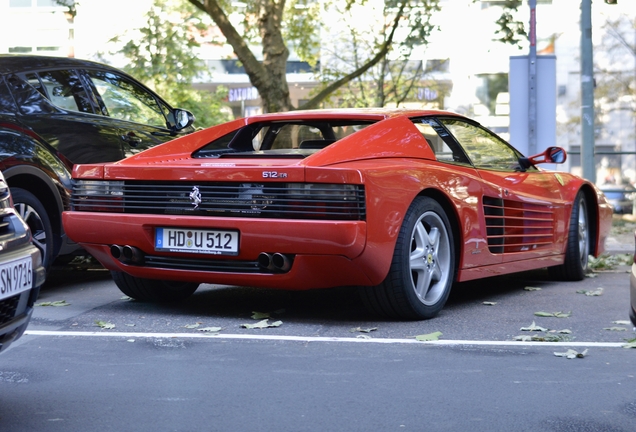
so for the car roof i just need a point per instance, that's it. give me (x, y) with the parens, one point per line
(368, 114)
(14, 63)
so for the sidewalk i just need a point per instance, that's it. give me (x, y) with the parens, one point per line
(621, 238)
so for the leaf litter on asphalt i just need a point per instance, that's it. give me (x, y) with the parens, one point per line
(57, 303)
(534, 327)
(363, 330)
(571, 354)
(591, 293)
(429, 337)
(262, 324)
(105, 325)
(553, 314)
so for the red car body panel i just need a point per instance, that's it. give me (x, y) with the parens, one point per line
(395, 164)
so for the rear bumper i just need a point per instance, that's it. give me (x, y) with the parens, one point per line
(323, 253)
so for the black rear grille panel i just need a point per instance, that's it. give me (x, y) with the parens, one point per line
(262, 200)
(8, 308)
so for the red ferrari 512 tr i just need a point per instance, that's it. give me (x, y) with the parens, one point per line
(400, 203)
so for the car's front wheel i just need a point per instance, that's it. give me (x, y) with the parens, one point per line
(34, 214)
(423, 267)
(578, 244)
(153, 290)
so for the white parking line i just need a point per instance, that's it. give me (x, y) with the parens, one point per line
(130, 335)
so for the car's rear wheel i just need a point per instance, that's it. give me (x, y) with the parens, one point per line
(422, 271)
(34, 214)
(153, 290)
(578, 244)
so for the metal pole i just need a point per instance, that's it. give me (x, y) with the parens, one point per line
(587, 93)
(532, 81)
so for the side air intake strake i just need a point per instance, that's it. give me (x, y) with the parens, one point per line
(515, 226)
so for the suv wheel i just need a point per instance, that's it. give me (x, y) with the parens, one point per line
(34, 214)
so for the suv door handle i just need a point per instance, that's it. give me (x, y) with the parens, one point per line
(132, 139)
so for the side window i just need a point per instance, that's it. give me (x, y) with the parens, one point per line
(484, 149)
(7, 105)
(443, 145)
(125, 100)
(63, 88)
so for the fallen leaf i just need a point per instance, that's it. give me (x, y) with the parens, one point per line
(564, 331)
(591, 275)
(615, 328)
(571, 354)
(130, 340)
(631, 343)
(54, 303)
(105, 324)
(543, 314)
(622, 322)
(260, 315)
(210, 329)
(363, 330)
(529, 288)
(192, 326)
(591, 293)
(363, 337)
(489, 303)
(429, 337)
(262, 324)
(533, 327)
(553, 314)
(522, 338)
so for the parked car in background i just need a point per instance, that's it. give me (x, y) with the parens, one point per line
(620, 197)
(400, 203)
(632, 287)
(56, 112)
(21, 271)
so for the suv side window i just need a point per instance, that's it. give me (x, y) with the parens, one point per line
(124, 100)
(64, 89)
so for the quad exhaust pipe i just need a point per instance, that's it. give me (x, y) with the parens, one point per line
(127, 254)
(276, 262)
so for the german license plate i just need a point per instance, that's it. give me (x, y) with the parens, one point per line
(15, 276)
(215, 242)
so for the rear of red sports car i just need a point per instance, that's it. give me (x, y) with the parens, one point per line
(323, 199)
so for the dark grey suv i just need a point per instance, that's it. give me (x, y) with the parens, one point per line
(57, 112)
(21, 271)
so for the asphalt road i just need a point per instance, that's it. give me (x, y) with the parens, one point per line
(329, 365)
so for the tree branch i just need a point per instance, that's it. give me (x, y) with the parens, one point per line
(315, 101)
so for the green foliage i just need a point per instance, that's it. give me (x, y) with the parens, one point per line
(162, 56)
(511, 31)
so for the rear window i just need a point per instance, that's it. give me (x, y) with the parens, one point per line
(274, 137)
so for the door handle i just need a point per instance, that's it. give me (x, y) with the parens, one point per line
(132, 139)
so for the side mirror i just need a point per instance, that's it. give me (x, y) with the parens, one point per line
(555, 155)
(183, 118)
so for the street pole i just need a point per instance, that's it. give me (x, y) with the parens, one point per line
(532, 81)
(587, 93)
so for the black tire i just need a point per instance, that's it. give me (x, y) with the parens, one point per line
(422, 271)
(577, 250)
(34, 214)
(153, 290)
